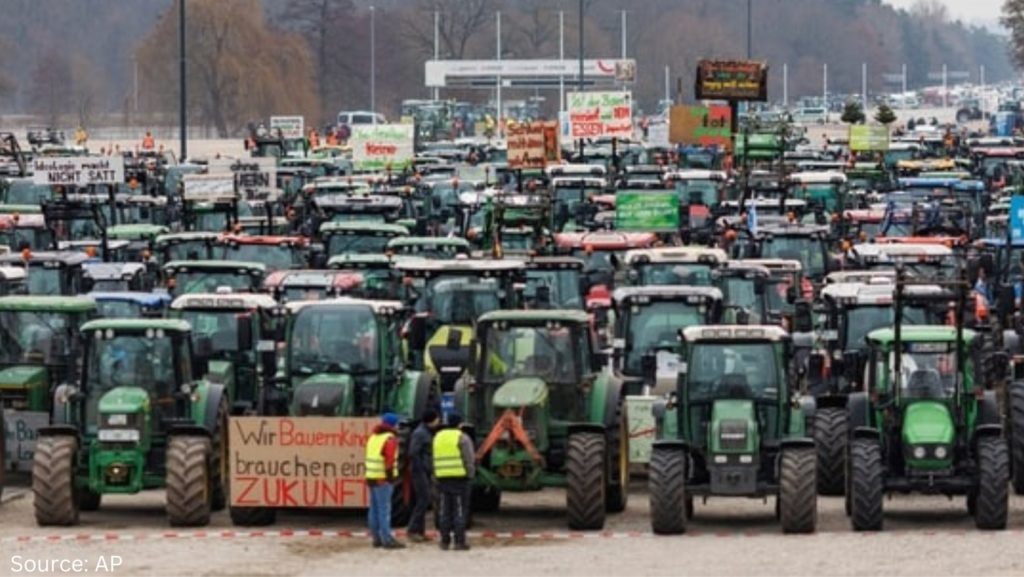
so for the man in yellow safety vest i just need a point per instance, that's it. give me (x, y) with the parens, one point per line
(454, 468)
(381, 474)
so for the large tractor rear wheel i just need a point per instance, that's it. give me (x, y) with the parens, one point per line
(585, 494)
(617, 491)
(830, 431)
(219, 460)
(252, 516)
(1016, 418)
(798, 490)
(53, 481)
(189, 481)
(867, 485)
(666, 481)
(992, 499)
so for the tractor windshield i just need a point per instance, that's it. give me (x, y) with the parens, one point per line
(187, 250)
(656, 326)
(862, 320)
(274, 256)
(357, 244)
(806, 249)
(334, 340)
(927, 370)
(45, 280)
(741, 294)
(460, 300)
(118, 309)
(730, 370)
(218, 327)
(34, 337)
(547, 352)
(304, 293)
(562, 285)
(689, 274)
(702, 192)
(210, 281)
(131, 360)
(25, 237)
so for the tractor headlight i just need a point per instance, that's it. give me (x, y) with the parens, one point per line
(919, 452)
(119, 435)
(941, 452)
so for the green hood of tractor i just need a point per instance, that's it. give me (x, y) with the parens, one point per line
(731, 417)
(927, 422)
(521, 392)
(124, 400)
(324, 394)
(22, 377)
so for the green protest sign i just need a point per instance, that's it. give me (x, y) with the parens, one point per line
(647, 211)
(864, 137)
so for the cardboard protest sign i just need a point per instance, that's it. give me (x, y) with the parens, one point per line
(78, 170)
(595, 114)
(299, 461)
(701, 126)
(382, 146)
(290, 126)
(532, 145)
(21, 436)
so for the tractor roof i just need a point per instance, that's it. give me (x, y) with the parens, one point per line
(744, 333)
(168, 325)
(233, 301)
(179, 237)
(536, 316)
(605, 240)
(400, 241)
(817, 177)
(919, 333)
(665, 293)
(318, 278)
(65, 257)
(698, 174)
(860, 276)
(136, 231)
(880, 251)
(63, 304)
(553, 263)
(264, 240)
(361, 260)
(776, 264)
(245, 267)
(363, 227)
(677, 254)
(459, 265)
(744, 266)
(377, 306)
(113, 270)
(143, 298)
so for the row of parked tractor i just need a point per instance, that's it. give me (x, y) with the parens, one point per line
(815, 321)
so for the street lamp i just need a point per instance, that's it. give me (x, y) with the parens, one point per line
(182, 119)
(373, 63)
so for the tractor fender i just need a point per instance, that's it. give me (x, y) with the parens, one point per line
(673, 445)
(831, 401)
(796, 442)
(858, 408)
(574, 428)
(988, 409)
(185, 429)
(58, 431)
(1011, 341)
(807, 405)
(988, 430)
(612, 402)
(658, 410)
(214, 395)
(865, 433)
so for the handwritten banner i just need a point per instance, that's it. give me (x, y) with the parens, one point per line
(532, 145)
(299, 461)
(382, 146)
(596, 114)
(701, 126)
(78, 170)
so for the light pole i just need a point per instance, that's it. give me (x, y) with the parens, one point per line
(580, 79)
(182, 119)
(750, 33)
(373, 63)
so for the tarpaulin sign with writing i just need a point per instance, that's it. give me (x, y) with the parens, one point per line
(647, 211)
(381, 146)
(78, 170)
(291, 126)
(532, 145)
(299, 461)
(701, 125)
(596, 114)
(864, 137)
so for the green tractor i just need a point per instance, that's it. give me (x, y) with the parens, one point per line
(732, 429)
(137, 420)
(546, 412)
(39, 347)
(344, 359)
(926, 422)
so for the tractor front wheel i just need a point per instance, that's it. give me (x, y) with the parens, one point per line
(829, 429)
(585, 495)
(666, 480)
(485, 499)
(189, 480)
(252, 516)
(53, 481)
(219, 459)
(89, 500)
(798, 491)
(992, 499)
(617, 492)
(1016, 418)
(867, 488)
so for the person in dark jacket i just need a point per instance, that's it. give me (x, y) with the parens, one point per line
(454, 469)
(381, 474)
(421, 459)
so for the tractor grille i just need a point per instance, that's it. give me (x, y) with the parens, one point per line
(733, 435)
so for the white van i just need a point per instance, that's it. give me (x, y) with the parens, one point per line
(810, 115)
(353, 117)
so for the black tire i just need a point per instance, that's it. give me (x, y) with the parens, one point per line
(689, 507)
(798, 490)
(252, 516)
(189, 481)
(1016, 418)
(485, 499)
(585, 493)
(53, 481)
(666, 481)
(830, 436)
(3, 454)
(219, 460)
(401, 509)
(617, 490)
(867, 488)
(89, 500)
(992, 502)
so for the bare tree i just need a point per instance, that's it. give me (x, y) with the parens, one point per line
(1013, 20)
(49, 94)
(459, 22)
(320, 22)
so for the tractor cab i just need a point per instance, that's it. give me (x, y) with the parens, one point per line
(117, 277)
(212, 276)
(39, 347)
(603, 254)
(744, 292)
(570, 194)
(920, 260)
(553, 282)
(273, 252)
(130, 305)
(184, 246)
(786, 287)
(357, 237)
(685, 265)
(20, 231)
(806, 243)
(287, 286)
(429, 247)
(700, 192)
(228, 330)
(825, 192)
(51, 272)
(380, 281)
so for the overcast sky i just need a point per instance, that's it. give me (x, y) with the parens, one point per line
(980, 11)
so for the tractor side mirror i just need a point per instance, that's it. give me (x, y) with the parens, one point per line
(203, 348)
(792, 294)
(435, 203)
(815, 364)
(417, 333)
(649, 368)
(759, 286)
(598, 359)
(1006, 300)
(244, 333)
(454, 341)
(803, 321)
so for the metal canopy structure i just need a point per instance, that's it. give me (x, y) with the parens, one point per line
(528, 73)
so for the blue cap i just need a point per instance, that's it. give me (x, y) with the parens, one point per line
(389, 419)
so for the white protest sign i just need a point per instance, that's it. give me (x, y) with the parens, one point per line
(291, 126)
(251, 173)
(380, 146)
(595, 114)
(78, 170)
(21, 435)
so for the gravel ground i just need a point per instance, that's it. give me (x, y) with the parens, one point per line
(924, 536)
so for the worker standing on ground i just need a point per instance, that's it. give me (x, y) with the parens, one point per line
(148, 143)
(81, 136)
(421, 459)
(454, 469)
(314, 139)
(381, 474)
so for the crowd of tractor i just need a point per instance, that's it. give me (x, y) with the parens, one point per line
(804, 320)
